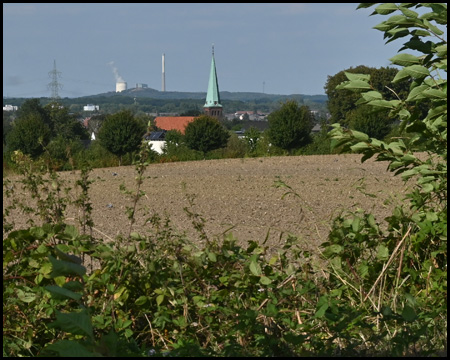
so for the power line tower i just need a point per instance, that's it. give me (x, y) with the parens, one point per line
(54, 85)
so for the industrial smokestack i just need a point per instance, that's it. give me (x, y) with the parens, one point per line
(163, 74)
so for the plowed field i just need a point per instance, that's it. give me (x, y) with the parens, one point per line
(238, 196)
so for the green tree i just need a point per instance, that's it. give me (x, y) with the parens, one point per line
(290, 126)
(174, 137)
(34, 107)
(346, 110)
(121, 133)
(205, 133)
(367, 120)
(65, 124)
(29, 134)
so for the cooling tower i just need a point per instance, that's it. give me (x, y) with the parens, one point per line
(121, 86)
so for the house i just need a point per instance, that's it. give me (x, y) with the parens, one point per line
(173, 122)
(10, 108)
(157, 140)
(91, 107)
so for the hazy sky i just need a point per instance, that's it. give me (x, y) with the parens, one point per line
(275, 48)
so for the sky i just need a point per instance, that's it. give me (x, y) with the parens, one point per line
(273, 48)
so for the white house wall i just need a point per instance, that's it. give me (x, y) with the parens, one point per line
(158, 146)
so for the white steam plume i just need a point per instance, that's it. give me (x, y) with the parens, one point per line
(116, 72)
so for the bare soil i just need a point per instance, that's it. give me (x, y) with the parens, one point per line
(237, 196)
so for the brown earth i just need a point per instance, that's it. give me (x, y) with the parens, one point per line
(239, 194)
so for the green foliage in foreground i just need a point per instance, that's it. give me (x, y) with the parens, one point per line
(379, 290)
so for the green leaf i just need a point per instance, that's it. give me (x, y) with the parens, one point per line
(265, 280)
(389, 104)
(441, 50)
(385, 9)
(73, 285)
(255, 268)
(42, 249)
(64, 268)
(37, 232)
(417, 93)
(212, 257)
(434, 93)
(321, 311)
(417, 71)
(141, 300)
(401, 75)
(159, 299)
(427, 188)
(353, 76)
(71, 231)
(371, 222)
(405, 59)
(408, 12)
(77, 323)
(359, 147)
(26, 297)
(355, 224)
(433, 28)
(332, 249)
(67, 257)
(363, 270)
(382, 27)
(135, 236)
(409, 314)
(419, 32)
(386, 311)
(46, 268)
(372, 95)
(383, 252)
(68, 348)
(357, 85)
(62, 293)
(360, 136)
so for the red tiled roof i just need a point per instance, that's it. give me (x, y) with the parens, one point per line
(173, 122)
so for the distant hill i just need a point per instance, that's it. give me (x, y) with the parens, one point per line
(224, 95)
(149, 100)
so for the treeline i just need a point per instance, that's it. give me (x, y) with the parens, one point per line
(54, 131)
(51, 133)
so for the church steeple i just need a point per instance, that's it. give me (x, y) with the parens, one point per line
(212, 106)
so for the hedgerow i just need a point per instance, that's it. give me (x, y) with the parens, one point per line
(380, 287)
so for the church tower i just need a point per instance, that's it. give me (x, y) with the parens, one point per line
(213, 107)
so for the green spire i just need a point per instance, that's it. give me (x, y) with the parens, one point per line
(212, 96)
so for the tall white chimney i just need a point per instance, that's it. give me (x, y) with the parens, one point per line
(163, 75)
